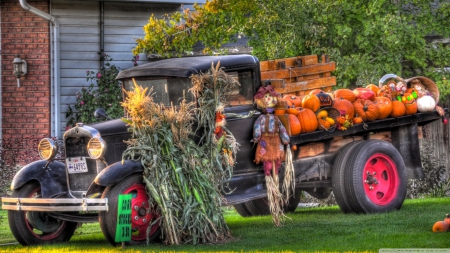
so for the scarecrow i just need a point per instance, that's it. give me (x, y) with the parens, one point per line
(271, 136)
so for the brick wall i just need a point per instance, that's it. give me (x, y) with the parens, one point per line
(25, 109)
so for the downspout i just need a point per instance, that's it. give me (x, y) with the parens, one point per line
(55, 87)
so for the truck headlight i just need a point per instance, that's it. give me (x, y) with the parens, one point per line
(47, 149)
(96, 148)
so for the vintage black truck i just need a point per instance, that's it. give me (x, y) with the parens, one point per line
(366, 166)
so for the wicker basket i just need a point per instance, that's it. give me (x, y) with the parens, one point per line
(428, 83)
(332, 113)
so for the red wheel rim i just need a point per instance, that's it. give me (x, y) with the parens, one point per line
(45, 236)
(141, 213)
(380, 179)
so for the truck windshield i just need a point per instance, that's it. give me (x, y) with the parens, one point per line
(171, 90)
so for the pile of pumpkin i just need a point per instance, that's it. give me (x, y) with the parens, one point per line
(364, 104)
(442, 226)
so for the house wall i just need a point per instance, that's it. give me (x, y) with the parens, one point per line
(80, 39)
(25, 109)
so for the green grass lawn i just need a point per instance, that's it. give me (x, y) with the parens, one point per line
(323, 229)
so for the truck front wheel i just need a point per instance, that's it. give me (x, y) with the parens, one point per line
(142, 215)
(30, 228)
(376, 177)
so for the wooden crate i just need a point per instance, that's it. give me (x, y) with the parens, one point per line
(298, 75)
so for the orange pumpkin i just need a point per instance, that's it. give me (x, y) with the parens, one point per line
(294, 124)
(357, 120)
(363, 93)
(373, 88)
(410, 105)
(293, 100)
(344, 106)
(279, 111)
(440, 226)
(308, 120)
(366, 109)
(398, 109)
(384, 107)
(311, 102)
(292, 110)
(315, 91)
(345, 94)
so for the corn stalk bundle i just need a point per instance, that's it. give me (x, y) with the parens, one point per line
(180, 180)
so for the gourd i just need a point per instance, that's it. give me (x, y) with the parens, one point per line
(366, 109)
(308, 120)
(323, 123)
(440, 226)
(398, 109)
(311, 102)
(345, 107)
(447, 219)
(410, 105)
(363, 93)
(426, 104)
(294, 124)
(293, 100)
(357, 120)
(345, 94)
(384, 107)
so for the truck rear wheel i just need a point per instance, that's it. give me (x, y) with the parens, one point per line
(142, 214)
(338, 178)
(376, 177)
(31, 228)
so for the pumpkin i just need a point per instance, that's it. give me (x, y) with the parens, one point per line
(279, 111)
(398, 109)
(294, 124)
(345, 107)
(325, 99)
(311, 102)
(315, 91)
(363, 93)
(308, 120)
(294, 147)
(410, 105)
(292, 110)
(293, 100)
(357, 120)
(384, 107)
(426, 104)
(366, 109)
(373, 88)
(345, 94)
(440, 226)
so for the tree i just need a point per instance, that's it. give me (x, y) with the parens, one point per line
(366, 39)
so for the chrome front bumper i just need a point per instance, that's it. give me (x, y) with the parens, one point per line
(55, 205)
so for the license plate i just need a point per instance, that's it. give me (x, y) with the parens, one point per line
(76, 165)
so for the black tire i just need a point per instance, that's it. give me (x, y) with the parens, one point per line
(377, 177)
(260, 207)
(34, 228)
(134, 185)
(338, 179)
(242, 210)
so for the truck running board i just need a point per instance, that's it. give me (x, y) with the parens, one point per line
(55, 205)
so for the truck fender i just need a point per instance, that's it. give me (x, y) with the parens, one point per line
(52, 177)
(118, 171)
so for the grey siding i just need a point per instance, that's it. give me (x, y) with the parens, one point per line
(80, 39)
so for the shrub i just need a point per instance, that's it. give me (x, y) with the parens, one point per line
(106, 94)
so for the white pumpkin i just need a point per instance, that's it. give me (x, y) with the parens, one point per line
(425, 104)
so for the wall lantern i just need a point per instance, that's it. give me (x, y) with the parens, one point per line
(20, 68)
